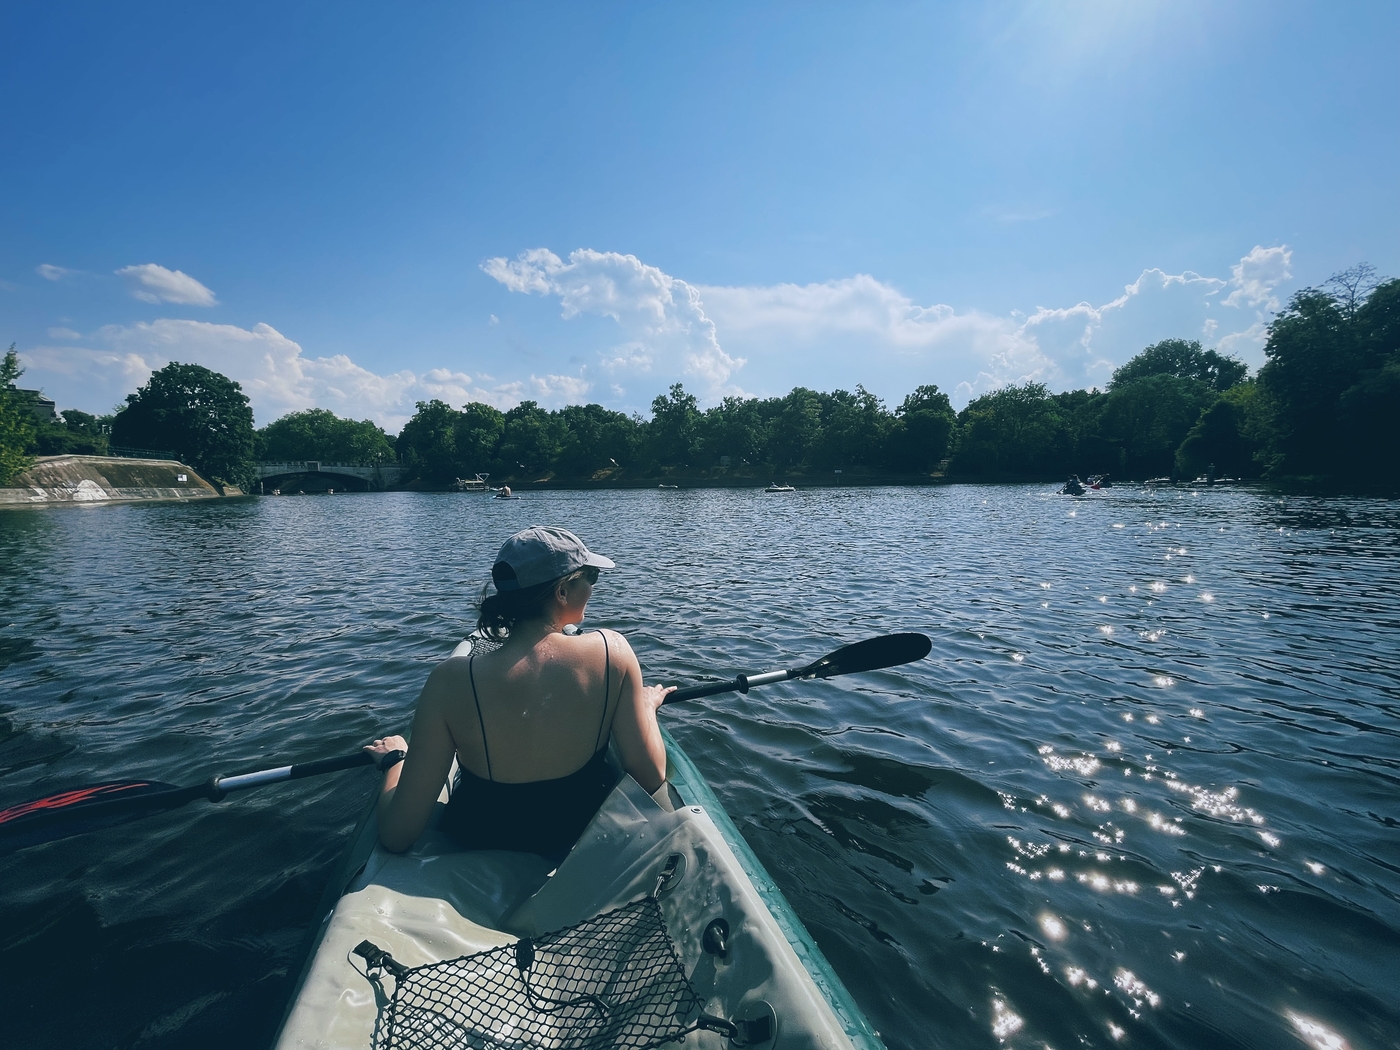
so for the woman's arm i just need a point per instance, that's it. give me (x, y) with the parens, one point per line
(634, 725)
(412, 787)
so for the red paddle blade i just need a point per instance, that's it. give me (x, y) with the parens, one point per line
(72, 812)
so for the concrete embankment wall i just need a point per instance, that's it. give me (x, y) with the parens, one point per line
(105, 479)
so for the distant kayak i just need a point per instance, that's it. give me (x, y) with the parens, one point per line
(1072, 487)
(659, 922)
(775, 487)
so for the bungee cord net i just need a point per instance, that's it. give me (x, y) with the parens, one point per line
(612, 981)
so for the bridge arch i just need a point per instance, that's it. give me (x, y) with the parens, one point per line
(363, 477)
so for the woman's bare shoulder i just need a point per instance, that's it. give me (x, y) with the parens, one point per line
(447, 678)
(619, 650)
(617, 641)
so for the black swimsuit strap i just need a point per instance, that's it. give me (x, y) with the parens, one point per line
(607, 693)
(480, 721)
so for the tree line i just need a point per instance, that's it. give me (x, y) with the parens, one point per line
(1322, 406)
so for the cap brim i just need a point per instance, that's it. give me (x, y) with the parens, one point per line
(599, 562)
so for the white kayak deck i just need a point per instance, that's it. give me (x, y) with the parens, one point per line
(439, 902)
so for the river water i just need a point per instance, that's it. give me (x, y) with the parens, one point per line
(1142, 793)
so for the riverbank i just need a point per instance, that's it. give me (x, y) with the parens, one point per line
(57, 480)
(620, 478)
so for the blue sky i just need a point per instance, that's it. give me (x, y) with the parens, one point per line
(362, 206)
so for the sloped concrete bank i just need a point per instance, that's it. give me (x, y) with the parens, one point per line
(54, 480)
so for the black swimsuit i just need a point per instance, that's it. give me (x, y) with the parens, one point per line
(538, 816)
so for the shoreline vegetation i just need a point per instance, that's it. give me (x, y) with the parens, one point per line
(1320, 413)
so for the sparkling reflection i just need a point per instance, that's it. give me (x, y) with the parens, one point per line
(1316, 1034)
(1127, 982)
(1005, 1021)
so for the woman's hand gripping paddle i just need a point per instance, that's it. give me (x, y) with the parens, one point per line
(888, 650)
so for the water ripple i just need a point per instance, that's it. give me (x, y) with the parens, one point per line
(1142, 790)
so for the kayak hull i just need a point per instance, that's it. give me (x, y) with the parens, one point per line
(439, 902)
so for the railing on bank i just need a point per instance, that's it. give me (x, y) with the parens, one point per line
(139, 453)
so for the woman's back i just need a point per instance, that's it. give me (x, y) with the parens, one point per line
(528, 723)
(535, 710)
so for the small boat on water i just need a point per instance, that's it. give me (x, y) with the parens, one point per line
(1072, 487)
(659, 923)
(775, 487)
(668, 486)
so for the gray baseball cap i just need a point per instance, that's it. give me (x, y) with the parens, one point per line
(539, 554)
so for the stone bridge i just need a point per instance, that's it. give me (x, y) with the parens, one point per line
(373, 476)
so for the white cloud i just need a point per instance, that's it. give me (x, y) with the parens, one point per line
(567, 390)
(831, 334)
(874, 330)
(859, 321)
(1257, 275)
(861, 330)
(659, 312)
(273, 371)
(1010, 216)
(50, 272)
(155, 284)
(1087, 342)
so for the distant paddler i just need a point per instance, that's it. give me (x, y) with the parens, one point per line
(1073, 486)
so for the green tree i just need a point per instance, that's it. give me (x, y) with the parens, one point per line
(1314, 355)
(1329, 388)
(1225, 437)
(199, 415)
(1370, 424)
(854, 430)
(921, 430)
(1149, 418)
(86, 423)
(673, 435)
(476, 434)
(1017, 430)
(530, 442)
(427, 445)
(74, 432)
(796, 428)
(319, 434)
(1185, 360)
(1082, 413)
(738, 427)
(594, 437)
(16, 420)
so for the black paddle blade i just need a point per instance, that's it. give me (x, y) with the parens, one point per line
(888, 650)
(86, 809)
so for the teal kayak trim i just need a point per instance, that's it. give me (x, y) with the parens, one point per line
(686, 779)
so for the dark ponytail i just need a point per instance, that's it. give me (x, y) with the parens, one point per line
(498, 613)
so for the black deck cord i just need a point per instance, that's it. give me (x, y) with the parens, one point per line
(739, 1033)
(524, 959)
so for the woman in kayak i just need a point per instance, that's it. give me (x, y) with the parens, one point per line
(528, 723)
